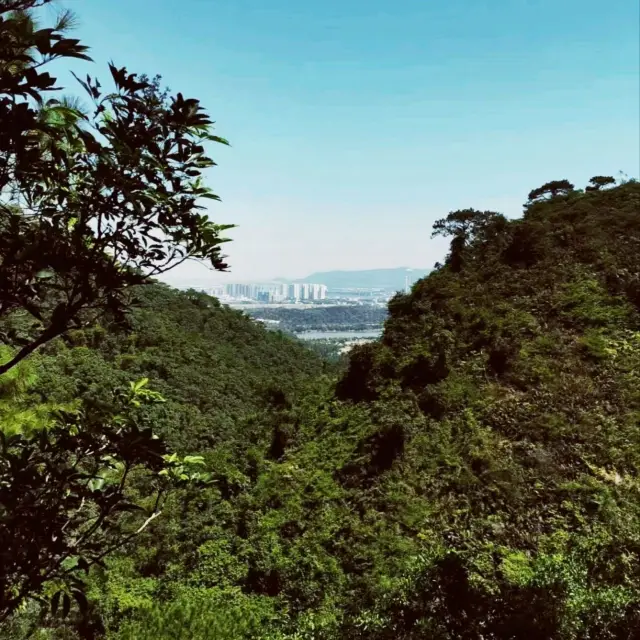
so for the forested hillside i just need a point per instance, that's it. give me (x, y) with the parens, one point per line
(472, 475)
(171, 469)
(220, 375)
(213, 365)
(518, 362)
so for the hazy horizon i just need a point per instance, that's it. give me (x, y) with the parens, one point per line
(355, 125)
(204, 275)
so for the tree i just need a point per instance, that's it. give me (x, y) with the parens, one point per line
(20, 412)
(598, 182)
(92, 205)
(551, 190)
(464, 226)
(64, 500)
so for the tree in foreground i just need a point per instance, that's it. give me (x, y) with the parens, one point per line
(64, 503)
(90, 205)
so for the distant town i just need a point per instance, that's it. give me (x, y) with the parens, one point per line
(374, 287)
(268, 293)
(333, 311)
(248, 295)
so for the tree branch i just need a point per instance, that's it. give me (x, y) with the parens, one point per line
(49, 334)
(122, 542)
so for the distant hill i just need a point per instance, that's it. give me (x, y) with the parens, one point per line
(390, 279)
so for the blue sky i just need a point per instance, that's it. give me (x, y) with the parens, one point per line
(355, 124)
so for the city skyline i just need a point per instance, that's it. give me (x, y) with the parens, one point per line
(271, 291)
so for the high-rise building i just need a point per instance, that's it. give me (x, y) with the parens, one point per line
(272, 291)
(294, 292)
(317, 291)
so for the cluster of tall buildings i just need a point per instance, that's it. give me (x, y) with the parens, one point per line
(271, 292)
(304, 291)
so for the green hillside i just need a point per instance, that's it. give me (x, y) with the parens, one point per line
(212, 364)
(516, 461)
(472, 475)
(172, 470)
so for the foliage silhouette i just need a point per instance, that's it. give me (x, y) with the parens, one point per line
(93, 204)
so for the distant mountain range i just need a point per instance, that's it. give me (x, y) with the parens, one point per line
(388, 279)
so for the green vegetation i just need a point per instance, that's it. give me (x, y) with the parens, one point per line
(335, 350)
(171, 469)
(471, 475)
(216, 370)
(212, 365)
(91, 204)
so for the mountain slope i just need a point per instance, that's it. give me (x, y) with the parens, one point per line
(474, 474)
(519, 361)
(214, 365)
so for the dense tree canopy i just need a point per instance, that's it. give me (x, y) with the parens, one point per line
(522, 475)
(170, 468)
(472, 475)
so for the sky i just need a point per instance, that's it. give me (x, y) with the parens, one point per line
(354, 124)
